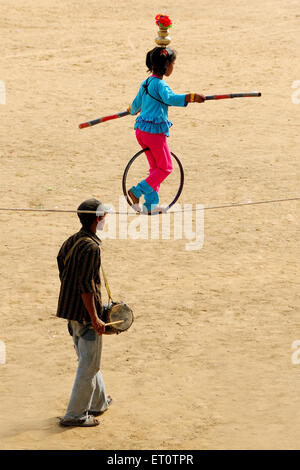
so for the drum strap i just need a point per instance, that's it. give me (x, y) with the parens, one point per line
(106, 285)
(68, 255)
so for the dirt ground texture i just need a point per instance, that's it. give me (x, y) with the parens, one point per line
(208, 362)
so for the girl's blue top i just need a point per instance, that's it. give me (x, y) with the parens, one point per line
(154, 115)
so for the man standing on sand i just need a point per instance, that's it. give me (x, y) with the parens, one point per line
(80, 303)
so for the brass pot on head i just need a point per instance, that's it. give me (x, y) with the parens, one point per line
(163, 39)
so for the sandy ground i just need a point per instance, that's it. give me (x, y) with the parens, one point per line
(208, 361)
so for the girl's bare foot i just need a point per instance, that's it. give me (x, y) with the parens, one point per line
(135, 201)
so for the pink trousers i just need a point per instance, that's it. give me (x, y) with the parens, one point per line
(159, 157)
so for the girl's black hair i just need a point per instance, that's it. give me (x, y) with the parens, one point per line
(158, 58)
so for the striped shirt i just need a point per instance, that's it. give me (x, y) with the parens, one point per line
(80, 274)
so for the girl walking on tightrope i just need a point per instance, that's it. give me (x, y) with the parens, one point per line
(152, 125)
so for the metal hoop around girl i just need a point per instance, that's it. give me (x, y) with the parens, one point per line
(124, 182)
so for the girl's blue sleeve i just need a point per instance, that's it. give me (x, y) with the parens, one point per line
(169, 97)
(135, 106)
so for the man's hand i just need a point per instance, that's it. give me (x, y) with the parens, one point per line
(99, 326)
(89, 303)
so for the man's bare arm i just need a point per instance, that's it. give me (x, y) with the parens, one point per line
(89, 303)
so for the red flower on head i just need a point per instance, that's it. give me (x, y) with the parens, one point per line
(163, 21)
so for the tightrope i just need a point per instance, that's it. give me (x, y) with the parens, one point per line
(204, 208)
(237, 204)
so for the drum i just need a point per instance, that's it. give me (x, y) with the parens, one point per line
(118, 313)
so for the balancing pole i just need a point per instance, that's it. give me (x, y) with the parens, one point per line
(125, 113)
(103, 119)
(233, 95)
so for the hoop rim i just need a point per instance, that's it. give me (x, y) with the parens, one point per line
(124, 180)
